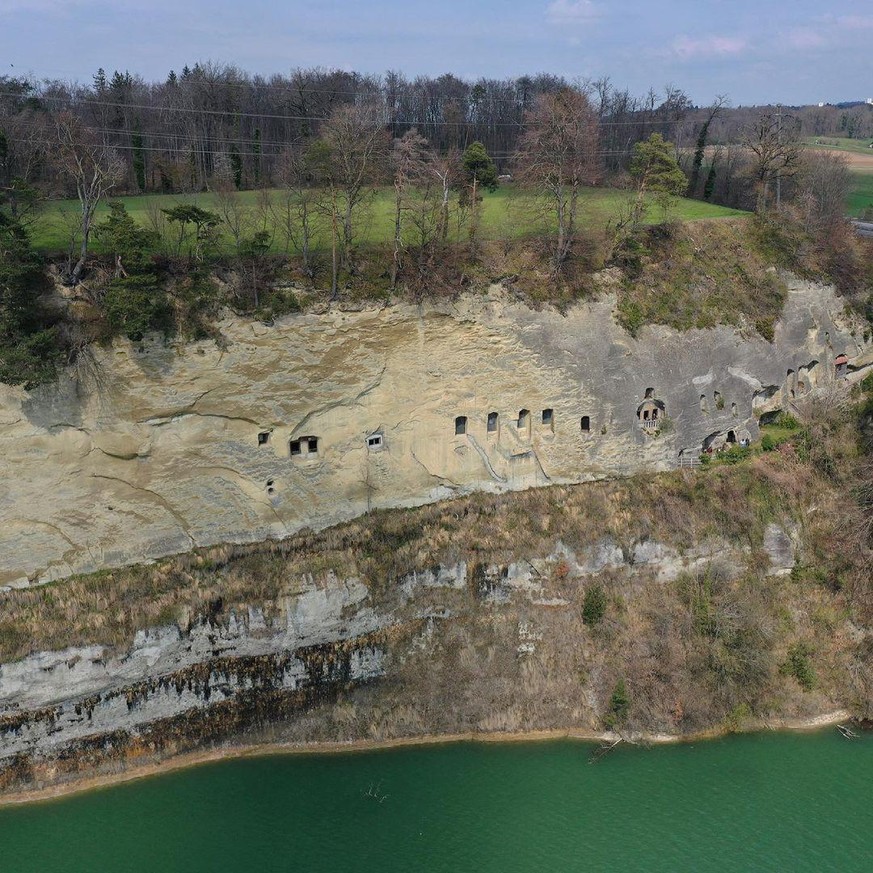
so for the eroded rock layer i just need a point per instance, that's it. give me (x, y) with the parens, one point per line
(150, 449)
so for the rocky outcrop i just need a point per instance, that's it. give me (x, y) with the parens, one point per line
(148, 449)
(446, 648)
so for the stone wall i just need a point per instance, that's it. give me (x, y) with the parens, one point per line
(148, 449)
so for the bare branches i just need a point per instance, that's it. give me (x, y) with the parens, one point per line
(557, 156)
(772, 139)
(95, 169)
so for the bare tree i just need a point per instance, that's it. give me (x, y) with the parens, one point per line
(94, 167)
(410, 158)
(235, 215)
(557, 156)
(296, 213)
(718, 105)
(357, 143)
(772, 139)
(447, 170)
(824, 183)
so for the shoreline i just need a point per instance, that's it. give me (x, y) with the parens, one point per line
(188, 760)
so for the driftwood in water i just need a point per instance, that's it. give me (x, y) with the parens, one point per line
(602, 750)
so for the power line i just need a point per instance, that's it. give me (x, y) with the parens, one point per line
(235, 141)
(260, 154)
(73, 101)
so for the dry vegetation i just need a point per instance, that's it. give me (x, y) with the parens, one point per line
(699, 275)
(727, 641)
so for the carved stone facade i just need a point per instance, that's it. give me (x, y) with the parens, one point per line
(148, 449)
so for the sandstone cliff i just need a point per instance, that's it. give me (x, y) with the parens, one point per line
(462, 616)
(151, 449)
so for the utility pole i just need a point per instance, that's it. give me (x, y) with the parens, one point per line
(779, 147)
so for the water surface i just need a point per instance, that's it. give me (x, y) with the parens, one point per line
(781, 802)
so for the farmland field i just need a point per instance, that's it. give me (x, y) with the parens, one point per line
(507, 213)
(859, 156)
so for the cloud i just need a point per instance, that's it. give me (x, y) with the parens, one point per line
(571, 12)
(688, 48)
(855, 22)
(805, 38)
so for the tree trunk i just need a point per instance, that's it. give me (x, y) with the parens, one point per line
(474, 220)
(334, 285)
(398, 203)
(87, 212)
(305, 239)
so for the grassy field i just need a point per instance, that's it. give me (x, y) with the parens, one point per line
(861, 196)
(507, 213)
(860, 159)
(840, 143)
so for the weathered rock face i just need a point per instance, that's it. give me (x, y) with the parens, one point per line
(449, 648)
(145, 450)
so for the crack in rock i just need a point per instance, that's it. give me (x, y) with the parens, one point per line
(162, 501)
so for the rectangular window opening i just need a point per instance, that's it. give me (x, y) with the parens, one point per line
(586, 423)
(374, 441)
(492, 422)
(295, 448)
(312, 445)
(548, 417)
(460, 425)
(263, 437)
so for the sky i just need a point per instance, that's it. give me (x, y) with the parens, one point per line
(753, 51)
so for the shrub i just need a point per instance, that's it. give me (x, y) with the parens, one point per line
(768, 443)
(619, 705)
(798, 665)
(788, 421)
(735, 454)
(594, 604)
(765, 327)
(737, 717)
(137, 305)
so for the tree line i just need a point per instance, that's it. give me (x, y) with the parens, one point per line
(319, 145)
(175, 136)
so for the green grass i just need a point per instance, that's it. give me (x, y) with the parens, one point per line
(840, 143)
(861, 196)
(506, 214)
(861, 193)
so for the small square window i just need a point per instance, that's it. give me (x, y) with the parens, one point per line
(374, 441)
(312, 445)
(295, 447)
(263, 437)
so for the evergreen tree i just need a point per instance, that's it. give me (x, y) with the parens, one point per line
(125, 239)
(29, 347)
(479, 170)
(656, 171)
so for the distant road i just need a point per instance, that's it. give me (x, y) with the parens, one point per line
(864, 228)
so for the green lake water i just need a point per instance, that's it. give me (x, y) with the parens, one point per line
(781, 802)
